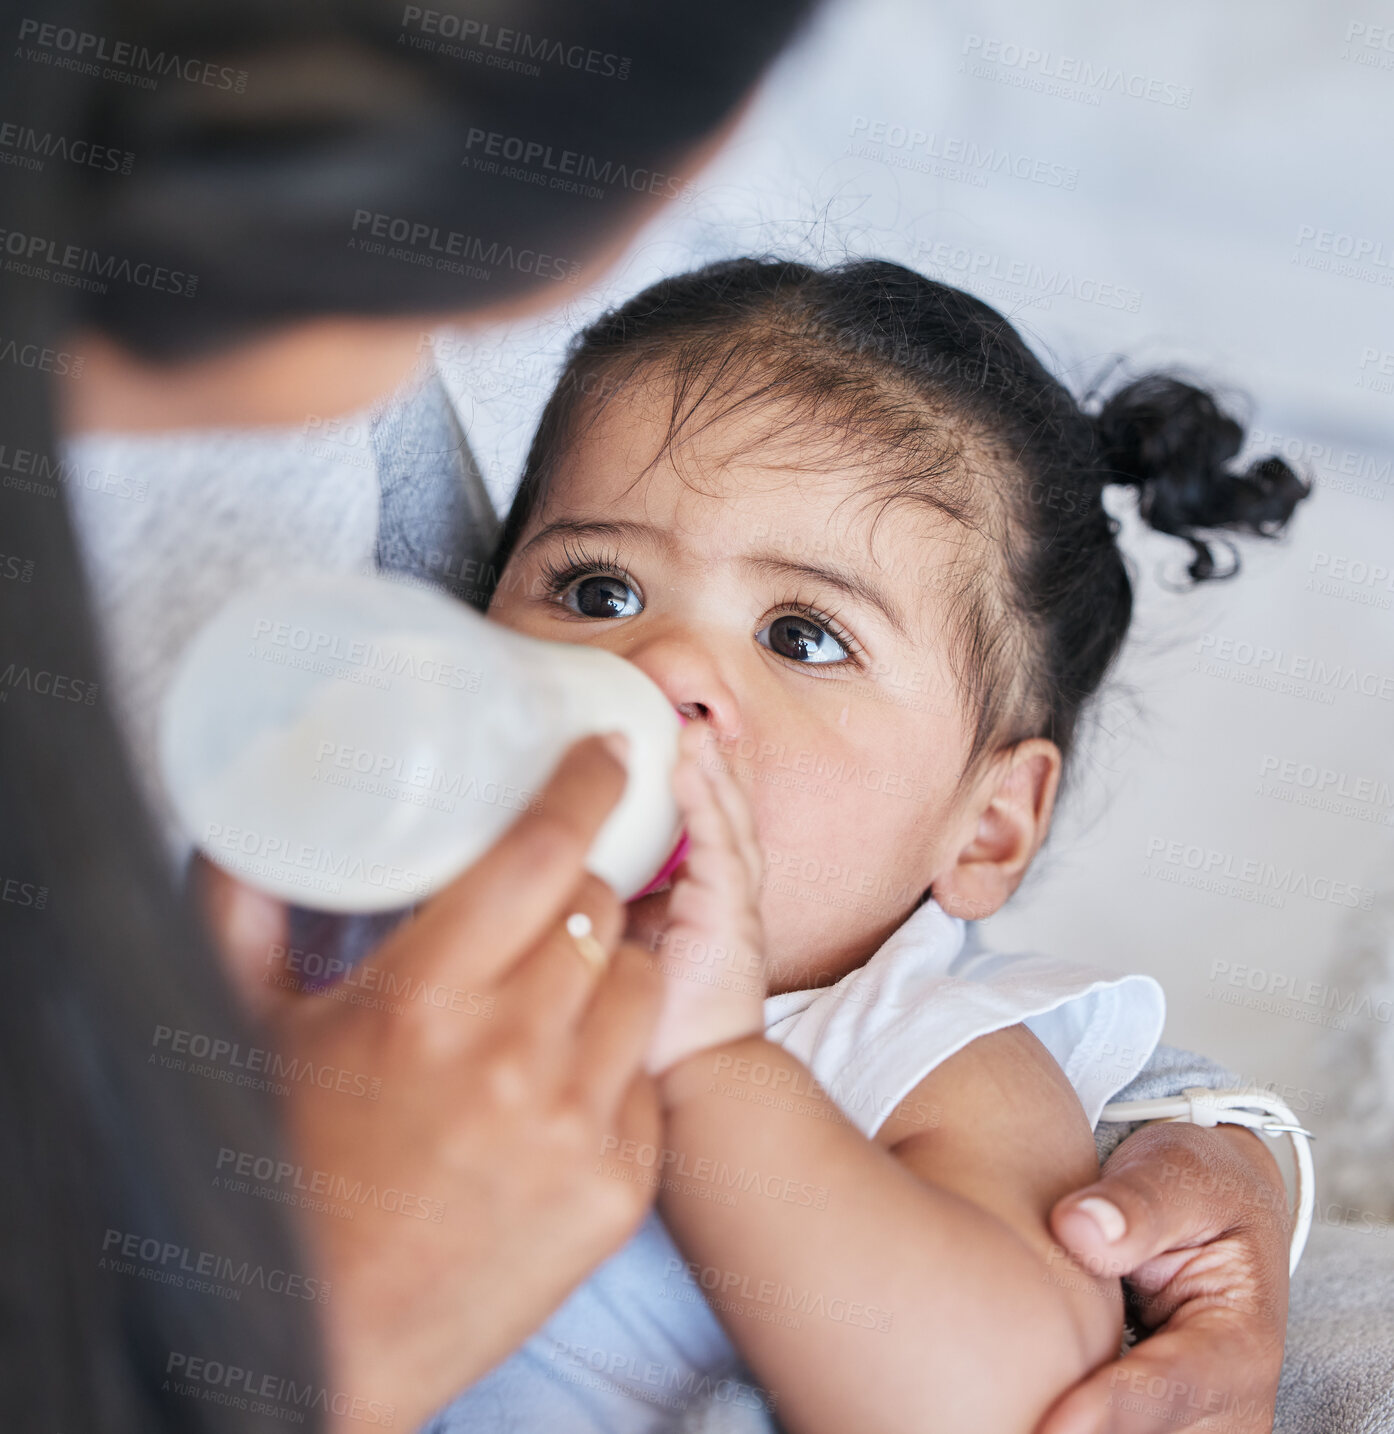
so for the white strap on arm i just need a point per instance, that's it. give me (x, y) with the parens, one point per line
(1257, 1110)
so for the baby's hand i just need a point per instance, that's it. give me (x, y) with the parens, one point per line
(712, 953)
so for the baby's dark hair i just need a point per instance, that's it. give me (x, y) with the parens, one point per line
(941, 402)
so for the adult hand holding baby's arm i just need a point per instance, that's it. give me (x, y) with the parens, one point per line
(486, 1114)
(1200, 1230)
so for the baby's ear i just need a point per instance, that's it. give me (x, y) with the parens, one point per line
(1007, 818)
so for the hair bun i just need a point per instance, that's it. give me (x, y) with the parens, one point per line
(1171, 442)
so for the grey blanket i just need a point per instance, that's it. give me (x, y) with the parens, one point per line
(1338, 1377)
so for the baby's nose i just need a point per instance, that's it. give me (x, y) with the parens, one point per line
(692, 669)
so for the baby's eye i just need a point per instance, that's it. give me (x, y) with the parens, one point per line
(601, 595)
(801, 640)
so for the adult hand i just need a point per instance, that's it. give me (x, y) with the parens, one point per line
(503, 1062)
(1199, 1229)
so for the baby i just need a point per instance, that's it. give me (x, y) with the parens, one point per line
(855, 531)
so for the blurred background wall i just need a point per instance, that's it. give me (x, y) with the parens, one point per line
(1204, 187)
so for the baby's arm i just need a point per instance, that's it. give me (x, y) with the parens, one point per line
(926, 1290)
(904, 1283)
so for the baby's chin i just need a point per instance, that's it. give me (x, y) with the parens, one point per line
(647, 919)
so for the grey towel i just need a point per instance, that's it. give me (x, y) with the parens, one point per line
(436, 521)
(1169, 1072)
(1338, 1377)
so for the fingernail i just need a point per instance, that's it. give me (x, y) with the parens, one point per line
(1106, 1215)
(617, 744)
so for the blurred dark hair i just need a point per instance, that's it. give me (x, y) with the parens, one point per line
(432, 120)
(252, 185)
(937, 395)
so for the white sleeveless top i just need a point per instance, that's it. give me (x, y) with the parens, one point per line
(637, 1345)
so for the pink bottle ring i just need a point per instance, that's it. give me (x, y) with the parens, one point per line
(675, 857)
(674, 861)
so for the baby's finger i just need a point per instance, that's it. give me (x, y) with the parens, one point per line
(707, 828)
(741, 822)
(693, 742)
(713, 863)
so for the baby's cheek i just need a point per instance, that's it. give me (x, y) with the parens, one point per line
(819, 901)
(841, 873)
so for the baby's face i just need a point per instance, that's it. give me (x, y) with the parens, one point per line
(810, 639)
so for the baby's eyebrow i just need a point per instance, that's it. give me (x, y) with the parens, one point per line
(615, 528)
(844, 579)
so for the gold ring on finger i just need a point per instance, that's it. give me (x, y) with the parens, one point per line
(579, 928)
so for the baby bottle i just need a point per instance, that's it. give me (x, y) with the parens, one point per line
(352, 743)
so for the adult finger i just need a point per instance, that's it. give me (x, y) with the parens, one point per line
(636, 1125)
(553, 984)
(1204, 1369)
(615, 1030)
(247, 926)
(498, 910)
(1168, 1188)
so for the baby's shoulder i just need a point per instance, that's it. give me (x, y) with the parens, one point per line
(1003, 1093)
